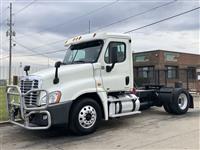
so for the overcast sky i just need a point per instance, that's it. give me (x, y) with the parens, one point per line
(44, 25)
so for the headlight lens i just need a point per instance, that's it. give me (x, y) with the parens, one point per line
(54, 97)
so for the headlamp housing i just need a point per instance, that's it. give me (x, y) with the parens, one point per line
(54, 97)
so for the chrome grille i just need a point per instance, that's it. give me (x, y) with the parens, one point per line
(27, 85)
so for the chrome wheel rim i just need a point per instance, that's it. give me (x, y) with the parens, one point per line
(182, 101)
(87, 116)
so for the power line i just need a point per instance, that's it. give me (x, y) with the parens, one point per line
(125, 32)
(135, 15)
(139, 27)
(30, 49)
(51, 43)
(144, 12)
(22, 9)
(81, 16)
(47, 52)
(162, 20)
(77, 18)
(93, 11)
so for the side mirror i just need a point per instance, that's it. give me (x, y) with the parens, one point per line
(57, 65)
(26, 69)
(113, 59)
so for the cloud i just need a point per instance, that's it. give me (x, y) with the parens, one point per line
(48, 21)
(171, 40)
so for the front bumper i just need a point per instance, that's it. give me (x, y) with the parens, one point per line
(35, 118)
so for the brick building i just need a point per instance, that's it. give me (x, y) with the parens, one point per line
(167, 68)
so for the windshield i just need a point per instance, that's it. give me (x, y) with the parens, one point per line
(87, 52)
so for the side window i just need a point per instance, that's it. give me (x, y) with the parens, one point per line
(121, 52)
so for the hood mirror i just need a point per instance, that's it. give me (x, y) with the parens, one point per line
(57, 65)
(26, 69)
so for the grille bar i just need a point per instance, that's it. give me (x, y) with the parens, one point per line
(26, 85)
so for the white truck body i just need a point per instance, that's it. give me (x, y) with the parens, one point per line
(95, 80)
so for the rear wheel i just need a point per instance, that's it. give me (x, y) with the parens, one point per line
(180, 104)
(85, 116)
(167, 108)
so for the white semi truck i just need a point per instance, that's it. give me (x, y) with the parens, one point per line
(93, 82)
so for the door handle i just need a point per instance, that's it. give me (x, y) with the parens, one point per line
(127, 80)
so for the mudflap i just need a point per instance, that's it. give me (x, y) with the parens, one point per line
(191, 101)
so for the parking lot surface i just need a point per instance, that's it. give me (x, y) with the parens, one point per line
(152, 129)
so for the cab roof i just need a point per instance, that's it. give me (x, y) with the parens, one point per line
(95, 36)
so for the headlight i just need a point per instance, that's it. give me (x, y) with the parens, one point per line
(54, 97)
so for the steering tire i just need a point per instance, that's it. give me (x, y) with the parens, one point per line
(85, 116)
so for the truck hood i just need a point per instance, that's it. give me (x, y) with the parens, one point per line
(73, 80)
(63, 70)
(70, 76)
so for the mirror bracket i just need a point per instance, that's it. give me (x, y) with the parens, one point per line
(109, 68)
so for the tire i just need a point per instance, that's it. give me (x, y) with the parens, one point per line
(167, 108)
(85, 116)
(181, 103)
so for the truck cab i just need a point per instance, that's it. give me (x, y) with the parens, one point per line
(93, 82)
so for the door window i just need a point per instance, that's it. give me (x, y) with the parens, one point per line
(121, 52)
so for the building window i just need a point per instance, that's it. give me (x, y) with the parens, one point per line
(145, 72)
(169, 56)
(191, 72)
(172, 72)
(121, 52)
(141, 58)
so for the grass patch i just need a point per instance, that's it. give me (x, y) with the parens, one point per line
(3, 108)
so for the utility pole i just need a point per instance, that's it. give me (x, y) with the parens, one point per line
(10, 33)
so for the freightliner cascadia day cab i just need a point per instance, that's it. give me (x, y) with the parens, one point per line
(94, 82)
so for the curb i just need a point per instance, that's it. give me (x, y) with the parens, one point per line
(4, 123)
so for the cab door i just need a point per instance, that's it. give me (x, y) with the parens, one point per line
(119, 77)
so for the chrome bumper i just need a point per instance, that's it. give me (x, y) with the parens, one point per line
(26, 112)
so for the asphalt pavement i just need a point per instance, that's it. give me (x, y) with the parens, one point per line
(153, 129)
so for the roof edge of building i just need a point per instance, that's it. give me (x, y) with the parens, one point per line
(161, 50)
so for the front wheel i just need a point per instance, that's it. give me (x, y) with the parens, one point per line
(85, 116)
